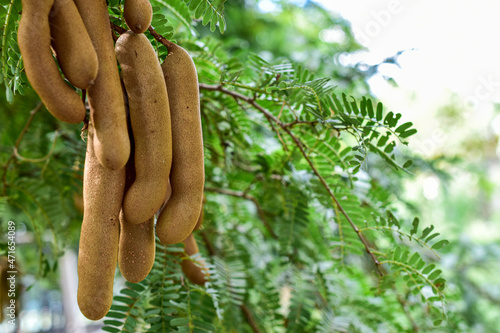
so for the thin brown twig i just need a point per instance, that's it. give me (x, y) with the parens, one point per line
(160, 38)
(17, 144)
(117, 28)
(249, 317)
(299, 145)
(246, 196)
(210, 248)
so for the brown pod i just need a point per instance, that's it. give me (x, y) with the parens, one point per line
(202, 214)
(195, 273)
(136, 252)
(138, 15)
(187, 176)
(72, 45)
(107, 107)
(150, 120)
(42, 72)
(102, 195)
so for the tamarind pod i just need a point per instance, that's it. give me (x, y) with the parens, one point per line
(102, 194)
(150, 120)
(187, 176)
(42, 72)
(107, 107)
(195, 273)
(136, 251)
(202, 214)
(71, 42)
(136, 254)
(138, 15)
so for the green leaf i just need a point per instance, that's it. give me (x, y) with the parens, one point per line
(9, 95)
(369, 106)
(427, 231)
(404, 127)
(408, 164)
(117, 315)
(434, 274)
(432, 237)
(113, 322)
(428, 269)
(408, 133)
(179, 322)
(213, 23)
(414, 258)
(414, 224)
(204, 325)
(207, 16)
(439, 244)
(362, 106)
(346, 104)
(380, 109)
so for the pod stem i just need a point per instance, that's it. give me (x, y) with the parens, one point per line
(168, 44)
(160, 38)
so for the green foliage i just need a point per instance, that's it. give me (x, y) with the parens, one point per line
(10, 57)
(300, 232)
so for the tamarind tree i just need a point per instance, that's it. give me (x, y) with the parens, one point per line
(304, 230)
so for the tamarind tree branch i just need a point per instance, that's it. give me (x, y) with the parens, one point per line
(249, 317)
(17, 144)
(249, 197)
(287, 128)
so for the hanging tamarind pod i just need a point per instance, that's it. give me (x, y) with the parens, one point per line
(138, 15)
(179, 216)
(71, 42)
(196, 273)
(98, 251)
(150, 121)
(107, 107)
(42, 72)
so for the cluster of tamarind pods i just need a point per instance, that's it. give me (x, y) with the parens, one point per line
(144, 149)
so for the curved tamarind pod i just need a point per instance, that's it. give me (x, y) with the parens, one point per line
(202, 214)
(138, 15)
(187, 176)
(195, 273)
(102, 195)
(136, 252)
(42, 72)
(107, 107)
(150, 120)
(71, 42)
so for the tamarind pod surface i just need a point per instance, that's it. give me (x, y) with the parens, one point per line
(195, 273)
(107, 107)
(150, 120)
(42, 72)
(138, 15)
(202, 214)
(103, 193)
(136, 254)
(71, 42)
(136, 251)
(187, 176)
